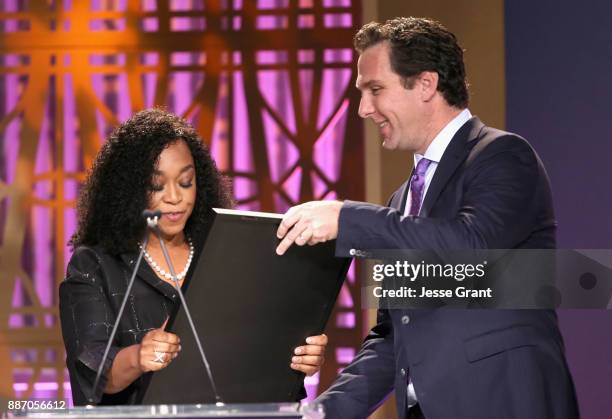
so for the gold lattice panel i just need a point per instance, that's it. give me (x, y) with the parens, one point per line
(71, 70)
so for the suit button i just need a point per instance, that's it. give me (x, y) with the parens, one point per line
(405, 319)
(403, 372)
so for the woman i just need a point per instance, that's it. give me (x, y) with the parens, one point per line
(154, 161)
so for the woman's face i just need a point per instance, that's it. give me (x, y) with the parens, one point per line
(174, 188)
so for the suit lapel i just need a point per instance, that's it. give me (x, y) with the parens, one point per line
(453, 156)
(145, 273)
(399, 199)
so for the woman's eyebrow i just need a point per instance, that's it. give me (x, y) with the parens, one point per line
(183, 170)
(189, 166)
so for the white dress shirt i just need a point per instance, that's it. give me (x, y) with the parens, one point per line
(435, 151)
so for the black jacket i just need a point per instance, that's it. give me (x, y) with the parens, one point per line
(90, 298)
(489, 191)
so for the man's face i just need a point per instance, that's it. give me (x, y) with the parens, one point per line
(399, 113)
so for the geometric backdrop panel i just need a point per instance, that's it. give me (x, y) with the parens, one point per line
(267, 83)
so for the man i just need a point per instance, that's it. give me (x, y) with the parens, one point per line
(473, 187)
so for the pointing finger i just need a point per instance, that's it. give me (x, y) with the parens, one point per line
(291, 217)
(291, 237)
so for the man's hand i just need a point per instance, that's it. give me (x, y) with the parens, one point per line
(310, 358)
(310, 223)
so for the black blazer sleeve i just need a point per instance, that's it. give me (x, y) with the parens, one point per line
(498, 208)
(87, 321)
(368, 379)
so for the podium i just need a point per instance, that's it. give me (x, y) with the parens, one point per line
(310, 410)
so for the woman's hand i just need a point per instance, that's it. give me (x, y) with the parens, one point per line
(310, 357)
(157, 349)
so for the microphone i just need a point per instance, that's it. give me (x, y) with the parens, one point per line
(152, 218)
(219, 401)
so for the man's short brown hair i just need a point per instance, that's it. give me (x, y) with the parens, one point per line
(417, 45)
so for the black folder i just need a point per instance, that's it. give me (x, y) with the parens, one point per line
(251, 308)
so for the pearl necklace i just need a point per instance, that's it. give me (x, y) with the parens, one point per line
(163, 273)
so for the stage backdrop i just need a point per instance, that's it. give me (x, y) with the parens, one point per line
(558, 67)
(267, 83)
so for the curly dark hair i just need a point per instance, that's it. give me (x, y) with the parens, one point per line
(417, 45)
(119, 183)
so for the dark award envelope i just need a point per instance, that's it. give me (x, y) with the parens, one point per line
(251, 308)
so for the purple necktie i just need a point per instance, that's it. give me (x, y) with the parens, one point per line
(417, 185)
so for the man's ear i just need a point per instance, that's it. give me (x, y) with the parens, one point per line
(428, 85)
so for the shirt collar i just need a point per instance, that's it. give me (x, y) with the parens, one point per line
(437, 147)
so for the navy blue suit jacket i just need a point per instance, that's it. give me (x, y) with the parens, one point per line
(489, 191)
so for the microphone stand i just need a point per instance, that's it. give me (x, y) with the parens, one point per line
(219, 401)
(152, 219)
